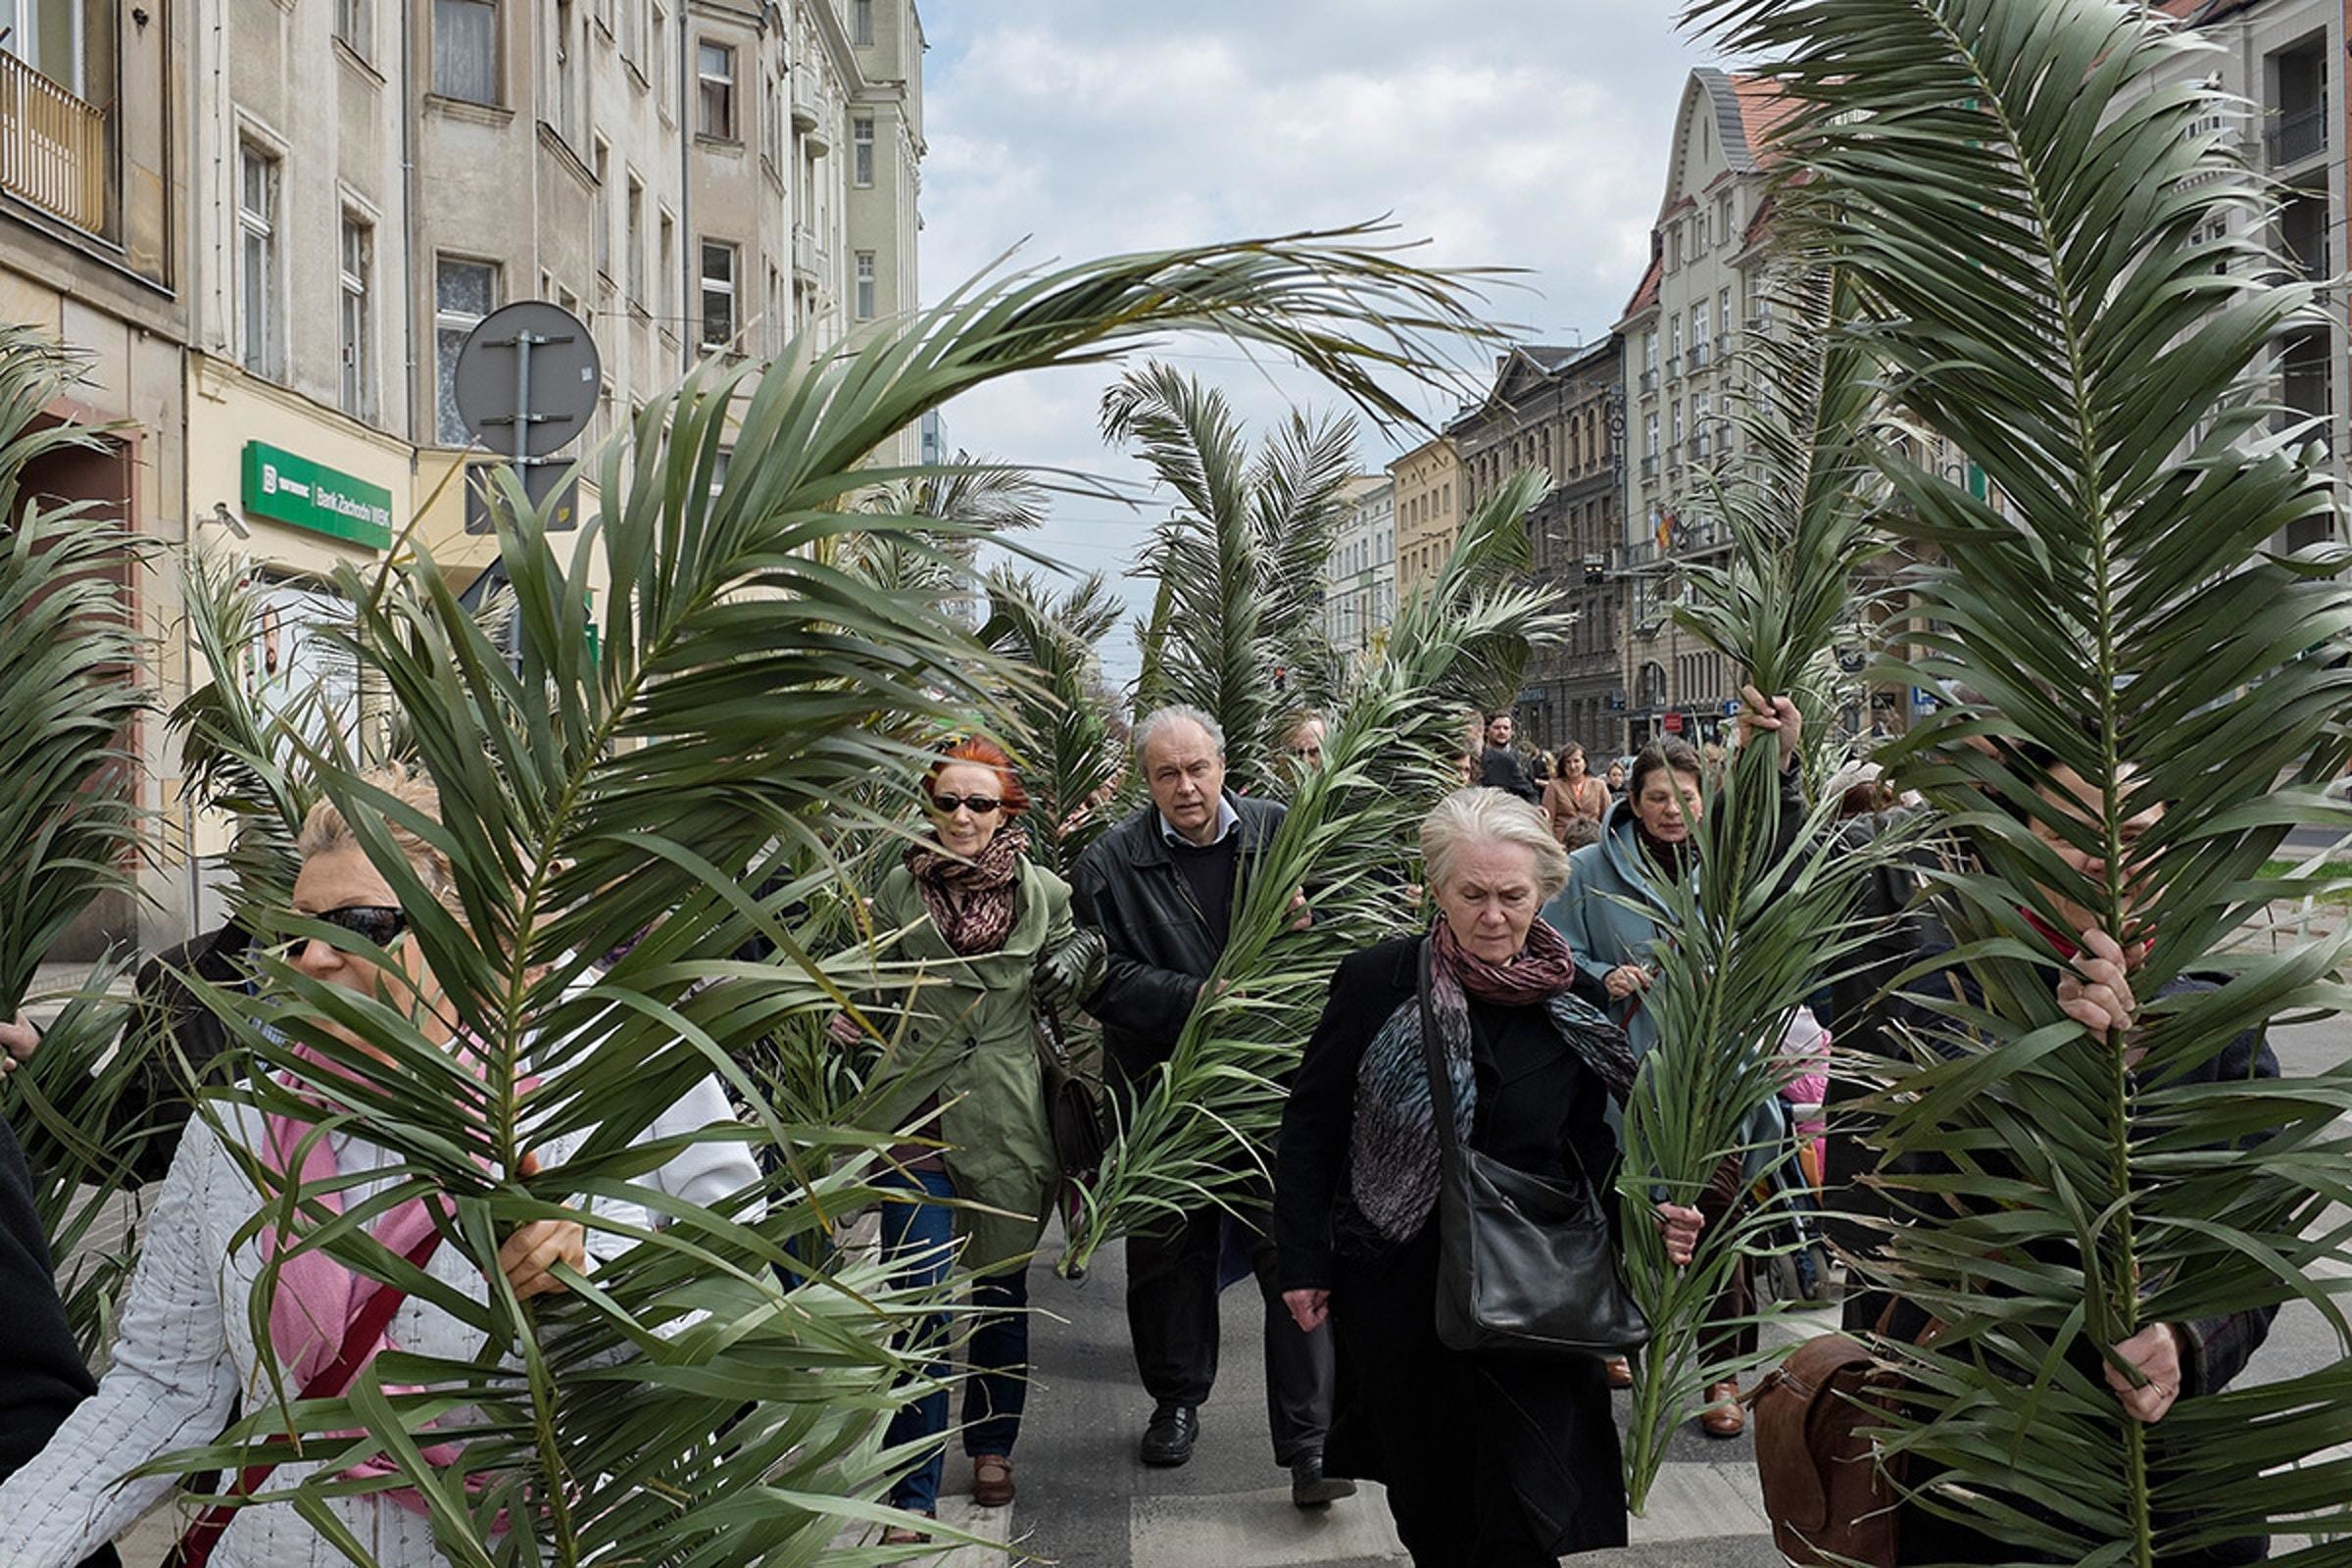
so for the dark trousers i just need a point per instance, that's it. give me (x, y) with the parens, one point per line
(1172, 1316)
(997, 1349)
(1728, 1340)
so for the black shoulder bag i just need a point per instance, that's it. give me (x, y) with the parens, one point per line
(1525, 1265)
(1074, 1102)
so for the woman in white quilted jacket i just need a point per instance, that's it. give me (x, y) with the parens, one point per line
(185, 1353)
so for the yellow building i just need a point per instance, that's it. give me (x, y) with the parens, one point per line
(1429, 488)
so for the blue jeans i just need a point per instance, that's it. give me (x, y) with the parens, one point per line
(997, 1349)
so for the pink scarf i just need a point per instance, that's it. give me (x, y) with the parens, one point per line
(318, 1299)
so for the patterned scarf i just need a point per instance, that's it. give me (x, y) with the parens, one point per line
(971, 900)
(1392, 1167)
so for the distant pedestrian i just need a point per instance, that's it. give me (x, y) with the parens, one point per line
(1162, 888)
(1573, 792)
(1499, 767)
(1302, 738)
(992, 930)
(1605, 915)
(1615, 778)
(1500, 1461)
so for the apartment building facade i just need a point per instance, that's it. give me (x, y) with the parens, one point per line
(1427, 496)
(1706, 286)
(1359, 579)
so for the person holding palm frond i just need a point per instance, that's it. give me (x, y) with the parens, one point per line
(1505, 1461)
(186, 1352)
(1601, 913)
(993, 934)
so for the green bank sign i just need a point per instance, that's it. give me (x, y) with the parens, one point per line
(290, 489)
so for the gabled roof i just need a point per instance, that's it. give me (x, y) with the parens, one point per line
(1646, 293)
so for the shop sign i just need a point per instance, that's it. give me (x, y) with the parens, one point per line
(294, 490)
(1674, 723)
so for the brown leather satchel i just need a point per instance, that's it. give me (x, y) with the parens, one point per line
(1829, 1492)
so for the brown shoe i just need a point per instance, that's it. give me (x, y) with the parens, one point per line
(907, 1534)
(992, 1480)
(1723, 1417)
(1621, 1372)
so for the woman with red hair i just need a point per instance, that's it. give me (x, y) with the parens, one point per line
(989, 931)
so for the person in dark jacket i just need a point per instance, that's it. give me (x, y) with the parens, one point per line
(2178, 1360)
(1499, 767)
(1161, 888)
(43, 1377)
(1499, 1461)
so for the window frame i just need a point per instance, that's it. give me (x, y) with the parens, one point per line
(356, 315)
(354, 26)
(703, 82)
(492, 71)
(862, 151)
(731, 289)
(447, 318)
(261, 230)
(865, 288)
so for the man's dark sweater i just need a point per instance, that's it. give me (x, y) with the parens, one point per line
(1208, 875)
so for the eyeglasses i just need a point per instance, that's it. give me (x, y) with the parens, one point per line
(375, 923)
(980, 805)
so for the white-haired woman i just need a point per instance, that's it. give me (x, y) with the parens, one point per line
(1499, 1462)
(187, 1353)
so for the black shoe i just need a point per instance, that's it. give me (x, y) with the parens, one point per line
(1310, 1488)
(1168, 1439)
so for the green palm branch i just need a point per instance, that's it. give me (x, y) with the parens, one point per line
(1201, 1123)
(2015, 211)
(70, 826)
(1061, 722)
(663, 781)
(1239, 565)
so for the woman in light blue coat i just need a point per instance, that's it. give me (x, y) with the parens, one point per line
(1606, 914)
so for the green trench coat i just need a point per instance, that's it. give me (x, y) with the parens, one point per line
(970, 1039)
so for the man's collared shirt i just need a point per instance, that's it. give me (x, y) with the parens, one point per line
(1227, 820)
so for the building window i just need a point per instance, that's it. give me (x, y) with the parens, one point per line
(565, 92)
(466, 50)
(262, 332)
(865, 286)
(715, 90)
(771, 121)
(862, 150)
(1723, 315)
(634, 237)
(657, 57)
(352, 26)
(861, 23)
(666, 302)
(359, 347)
(601, 214)
(632, 30)
(463, 292)
(718, 293)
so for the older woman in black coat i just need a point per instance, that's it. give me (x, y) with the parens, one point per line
(1493, 1460)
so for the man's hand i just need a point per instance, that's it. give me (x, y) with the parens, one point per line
(1777, 715)
(2097, 995)
(1308, 1308)
(1301, 916)
(2156, 1351)
(1625, 980)
(1679, 1227)
(18, 1041)
(529, 1256)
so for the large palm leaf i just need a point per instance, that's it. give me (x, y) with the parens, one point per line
(2015, 210)
(1200, 1124)
(661, 780)
(1063, 720)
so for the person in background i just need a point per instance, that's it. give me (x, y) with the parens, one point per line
(993, 934)
(1604, 916)
(1501, 1461)
(1499, 767)
(1161, 888)
(1615, 778)
(1573, 792)
(1302, 739)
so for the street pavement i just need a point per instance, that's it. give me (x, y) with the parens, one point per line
(1084, 1499)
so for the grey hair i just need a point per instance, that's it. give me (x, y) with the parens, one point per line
(1480, 815)
(1153, 725)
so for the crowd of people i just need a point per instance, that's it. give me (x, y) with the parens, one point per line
(1526, 983)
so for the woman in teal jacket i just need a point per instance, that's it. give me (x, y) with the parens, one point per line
(1605, 913)
(982, 927)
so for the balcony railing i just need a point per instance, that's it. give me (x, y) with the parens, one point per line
(1649, 468)
(1699, 357)
(52, 146)
(2291, 138)
(1649, 381)
(808, 260)
(805, 99)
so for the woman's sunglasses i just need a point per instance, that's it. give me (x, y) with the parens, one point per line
(375, 923)
(981, 804)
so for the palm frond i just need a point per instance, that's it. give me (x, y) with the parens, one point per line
(2015, 210)
(1200, 1124)
(1061, 724)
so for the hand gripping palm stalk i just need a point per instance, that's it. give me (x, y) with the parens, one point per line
(2018, 212)
(1200, 1128)
(1762, 925)
(662, 769)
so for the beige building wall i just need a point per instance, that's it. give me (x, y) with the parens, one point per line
(1428, 487)
(93, 252)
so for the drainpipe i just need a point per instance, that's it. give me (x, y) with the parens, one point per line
(408, 110)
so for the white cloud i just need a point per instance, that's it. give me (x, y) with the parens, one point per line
(1529, 136)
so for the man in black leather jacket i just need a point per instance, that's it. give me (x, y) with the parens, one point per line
(1161, 888)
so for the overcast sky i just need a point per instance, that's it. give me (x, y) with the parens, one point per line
(1530, 134)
